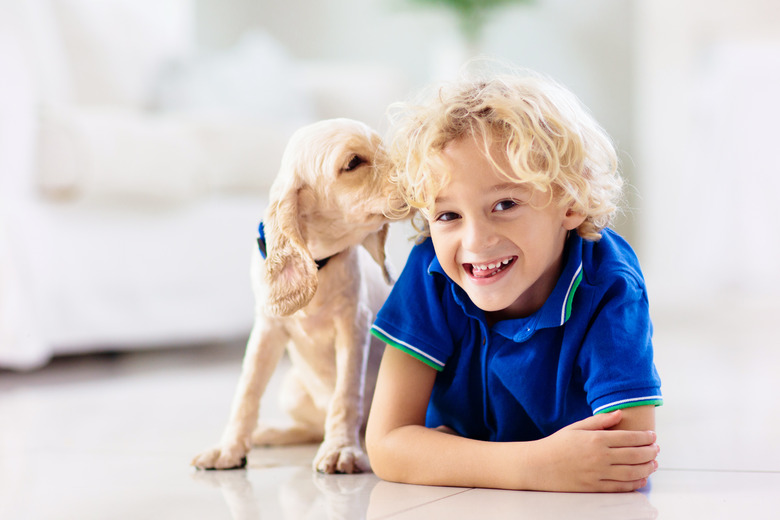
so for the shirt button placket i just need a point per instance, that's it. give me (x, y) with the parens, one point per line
(485, 384)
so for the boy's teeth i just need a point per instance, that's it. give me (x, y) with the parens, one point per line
(485, 267)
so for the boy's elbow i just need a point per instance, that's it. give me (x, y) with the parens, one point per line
(382, 457)
(378, 460)
(382, 470)
(374, 451)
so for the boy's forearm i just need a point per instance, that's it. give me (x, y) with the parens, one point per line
(582, 457)
(418, 455)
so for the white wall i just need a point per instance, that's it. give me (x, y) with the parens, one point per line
(707, 108)
(585, 45)
(685, 87)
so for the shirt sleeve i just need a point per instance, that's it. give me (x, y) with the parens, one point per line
(617, 355)
(413, 317)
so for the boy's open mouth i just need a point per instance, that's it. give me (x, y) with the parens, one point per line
(489, 269)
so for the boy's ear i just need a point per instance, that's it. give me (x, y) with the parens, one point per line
(572, 219)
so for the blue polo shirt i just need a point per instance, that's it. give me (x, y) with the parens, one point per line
(588, 349)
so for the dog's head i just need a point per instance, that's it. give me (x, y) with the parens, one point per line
(332, 192)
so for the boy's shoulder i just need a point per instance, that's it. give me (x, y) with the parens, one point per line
(423, 250)
(422, 258)
(420, 264)
(609, 258)
(423, 271)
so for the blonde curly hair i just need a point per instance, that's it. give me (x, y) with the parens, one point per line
(552, 142)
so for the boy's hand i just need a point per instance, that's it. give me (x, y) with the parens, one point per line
(587, 457)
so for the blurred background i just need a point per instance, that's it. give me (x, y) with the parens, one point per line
(138, 140)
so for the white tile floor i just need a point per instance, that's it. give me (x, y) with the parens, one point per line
(112, 436)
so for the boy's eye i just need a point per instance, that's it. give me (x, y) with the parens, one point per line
(505, 205)
(447, 216)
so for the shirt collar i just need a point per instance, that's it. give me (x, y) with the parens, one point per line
(555, 311)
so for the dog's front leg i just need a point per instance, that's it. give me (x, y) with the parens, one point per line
(263, 352)
(340, 451)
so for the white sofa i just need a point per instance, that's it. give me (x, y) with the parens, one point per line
(134, 167)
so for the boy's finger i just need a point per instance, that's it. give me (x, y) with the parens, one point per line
(628, 438)
(618, 486)
(600, 421)
(631, 473)
(634, 455)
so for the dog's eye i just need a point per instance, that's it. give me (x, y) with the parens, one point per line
(354, 163)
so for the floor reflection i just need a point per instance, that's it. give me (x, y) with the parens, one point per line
(496, 504)
(297, 492)
(291, 493)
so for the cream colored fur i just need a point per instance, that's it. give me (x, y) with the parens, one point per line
(321, 207)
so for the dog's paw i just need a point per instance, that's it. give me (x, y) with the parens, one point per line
(221, 458)
(337, 458)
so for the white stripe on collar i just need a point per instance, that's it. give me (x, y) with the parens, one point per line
(568, 291)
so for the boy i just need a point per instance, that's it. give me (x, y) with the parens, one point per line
(521, 340)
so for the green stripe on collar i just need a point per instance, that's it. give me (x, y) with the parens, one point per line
(566, 312)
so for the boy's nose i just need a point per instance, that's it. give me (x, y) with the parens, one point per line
(478, 235)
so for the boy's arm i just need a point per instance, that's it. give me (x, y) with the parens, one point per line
(637, 418)
(582, 457)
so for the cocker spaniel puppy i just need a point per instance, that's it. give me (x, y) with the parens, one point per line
(319, 275)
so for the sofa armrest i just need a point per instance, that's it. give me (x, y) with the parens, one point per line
(124, 154)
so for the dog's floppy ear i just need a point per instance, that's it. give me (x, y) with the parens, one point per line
(290, 270)
(375, 244)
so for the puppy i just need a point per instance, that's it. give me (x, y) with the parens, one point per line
(323, 280)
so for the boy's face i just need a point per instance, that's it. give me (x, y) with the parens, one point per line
(501, 242)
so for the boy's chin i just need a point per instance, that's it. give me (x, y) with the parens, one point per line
(491, 306)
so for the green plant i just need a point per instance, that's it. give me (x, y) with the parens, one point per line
(471, 14)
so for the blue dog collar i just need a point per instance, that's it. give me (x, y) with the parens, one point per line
(261, 240)
(264, 252)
